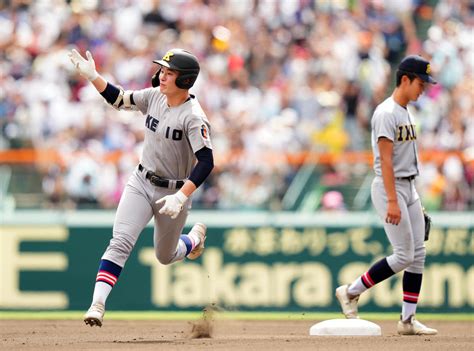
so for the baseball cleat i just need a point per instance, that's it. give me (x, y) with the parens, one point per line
(199, 230)
(349, 306)
(95, 315)
(412, 327)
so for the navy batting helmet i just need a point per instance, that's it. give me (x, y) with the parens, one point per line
(182, 61)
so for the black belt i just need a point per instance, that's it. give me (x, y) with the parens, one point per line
(161, 182)
(406, 178)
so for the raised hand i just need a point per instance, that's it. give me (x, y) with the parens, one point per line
(86, 68)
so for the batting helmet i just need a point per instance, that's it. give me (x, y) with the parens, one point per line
(182, 61)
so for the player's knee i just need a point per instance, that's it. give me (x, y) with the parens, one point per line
(164, 259)
(405, 259)
(121, 244)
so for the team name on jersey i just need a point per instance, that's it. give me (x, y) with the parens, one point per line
(152, 123)
(406, 132)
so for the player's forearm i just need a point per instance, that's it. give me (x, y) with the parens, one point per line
(188, 188)
(99, 83)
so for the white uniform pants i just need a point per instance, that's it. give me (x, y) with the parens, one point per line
(406, 238)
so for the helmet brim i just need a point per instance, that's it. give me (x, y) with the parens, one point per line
(165, 64)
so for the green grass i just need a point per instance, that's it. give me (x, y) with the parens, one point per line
(180, 316)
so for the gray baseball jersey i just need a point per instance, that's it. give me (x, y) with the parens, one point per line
(172, 134)
(392, 121)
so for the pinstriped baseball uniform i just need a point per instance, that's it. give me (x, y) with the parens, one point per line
(172, 136)
(394, 122)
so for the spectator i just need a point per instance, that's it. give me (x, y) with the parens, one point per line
(333, 201)
(277, 77)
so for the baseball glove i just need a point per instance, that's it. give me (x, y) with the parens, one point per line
(427, 224)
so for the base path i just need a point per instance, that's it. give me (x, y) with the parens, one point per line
(226, 335)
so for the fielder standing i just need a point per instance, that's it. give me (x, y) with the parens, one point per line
(176, 135)
(395, 198)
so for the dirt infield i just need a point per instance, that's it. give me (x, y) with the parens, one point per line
(226, 335)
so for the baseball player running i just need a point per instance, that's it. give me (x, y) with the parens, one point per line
(177, 132)
(395, 198)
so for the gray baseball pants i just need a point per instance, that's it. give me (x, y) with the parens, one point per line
(136, 208)
(406, 238)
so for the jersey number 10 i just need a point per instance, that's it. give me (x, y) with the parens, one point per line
(175, 135)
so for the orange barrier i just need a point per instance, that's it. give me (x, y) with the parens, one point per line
(34, 156)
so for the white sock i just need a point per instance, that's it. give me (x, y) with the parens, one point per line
(195, 238)
(101, 292)
(357, 287)
(180, 252)
(407, 310)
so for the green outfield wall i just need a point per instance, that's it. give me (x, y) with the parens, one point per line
(253, 261)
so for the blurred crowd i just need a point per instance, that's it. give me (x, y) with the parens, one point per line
(278, 77)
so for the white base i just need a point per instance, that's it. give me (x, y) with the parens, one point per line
(348, 327)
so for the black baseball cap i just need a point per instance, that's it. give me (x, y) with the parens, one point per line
(417, 65)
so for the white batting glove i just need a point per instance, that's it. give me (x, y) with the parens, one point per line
(173, 204)
(86, 68)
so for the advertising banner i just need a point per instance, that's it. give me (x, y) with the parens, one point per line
(264, 263)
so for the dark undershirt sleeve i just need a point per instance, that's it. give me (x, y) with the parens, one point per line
(204, 166)
(110, 93)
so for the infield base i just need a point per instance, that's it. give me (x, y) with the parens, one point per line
(345, 327)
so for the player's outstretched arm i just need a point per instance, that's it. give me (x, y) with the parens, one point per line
(86, 68)
(115, 96)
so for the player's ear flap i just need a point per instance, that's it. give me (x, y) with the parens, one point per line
(155, 80)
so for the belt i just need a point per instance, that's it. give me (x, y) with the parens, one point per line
(161, 182)
(406, 178)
